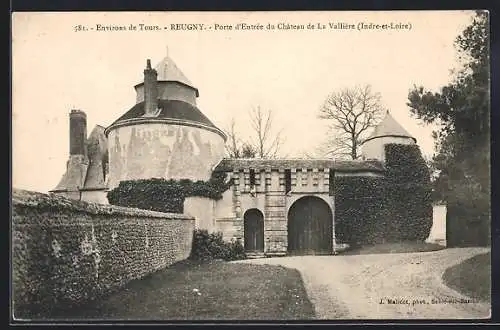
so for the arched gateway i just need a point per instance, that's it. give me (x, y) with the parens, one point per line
(254, 230)
(310, 227)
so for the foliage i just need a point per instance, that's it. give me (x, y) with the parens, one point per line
(393, 208)
(351, 112)
(166, 195)
(463, 107)
(359, 207)
(408, 192)
(212, 246)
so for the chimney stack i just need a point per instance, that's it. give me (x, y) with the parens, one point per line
(150, 90)
(77, 132)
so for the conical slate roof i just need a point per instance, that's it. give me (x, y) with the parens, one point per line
(172, 110)
(168, 71)
(169, 109)
(389, 127)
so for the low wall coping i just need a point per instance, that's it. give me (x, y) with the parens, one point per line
(32, 199)
(199, 197)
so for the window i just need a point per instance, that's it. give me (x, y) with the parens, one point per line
(252, 178)
(288, 181)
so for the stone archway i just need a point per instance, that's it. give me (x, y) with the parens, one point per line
(310, 227)
(254, 230)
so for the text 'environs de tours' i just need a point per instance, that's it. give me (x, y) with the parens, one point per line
(249, 27)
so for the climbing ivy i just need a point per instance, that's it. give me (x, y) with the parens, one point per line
(408, 192)
(359, 202)
(395, 207)
(166, 195)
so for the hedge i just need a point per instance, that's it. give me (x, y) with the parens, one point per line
(396, 207)
(166, 195)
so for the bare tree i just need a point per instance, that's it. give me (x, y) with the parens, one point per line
(263, 143)
(235, 146)
(266, 144)
(351, 112)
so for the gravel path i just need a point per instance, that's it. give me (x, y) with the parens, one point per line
(382, 286)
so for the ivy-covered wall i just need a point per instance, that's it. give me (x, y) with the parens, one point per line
(409, 192)
(359, 204)
(166, 195)
(66, 252)
(396, 207)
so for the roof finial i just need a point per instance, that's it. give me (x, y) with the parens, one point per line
(148, 64)
(165, 66)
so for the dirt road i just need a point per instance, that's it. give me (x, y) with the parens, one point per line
(384, 286)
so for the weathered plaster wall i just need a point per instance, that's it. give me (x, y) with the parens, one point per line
(374, 149)
(438, 230)
(155, 150)
(203, 210)
(224, 207)
(170, 91)
(95, 196)
(67, 252)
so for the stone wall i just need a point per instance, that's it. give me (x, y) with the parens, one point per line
(67, 252)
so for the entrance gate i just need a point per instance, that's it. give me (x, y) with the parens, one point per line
(310, 227)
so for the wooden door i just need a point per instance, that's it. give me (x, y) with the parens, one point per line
(310, 226)
(254, 230)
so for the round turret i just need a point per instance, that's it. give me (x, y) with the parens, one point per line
(164, 135)
(387, 132)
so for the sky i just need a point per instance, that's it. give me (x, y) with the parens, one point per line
(291, 72)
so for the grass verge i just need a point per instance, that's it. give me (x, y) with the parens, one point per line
(206, 291)
(400, 247)
(471, 277)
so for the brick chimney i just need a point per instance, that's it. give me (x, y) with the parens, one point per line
(150, 90)
(77, 132)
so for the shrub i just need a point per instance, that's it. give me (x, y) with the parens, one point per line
(212, 246)
(468, 217)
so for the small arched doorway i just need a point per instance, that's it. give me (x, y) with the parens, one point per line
(310, 227)
(254, 230)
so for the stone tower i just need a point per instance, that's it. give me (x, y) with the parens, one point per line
(388, 131)
(164, 135)
(86, 168)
